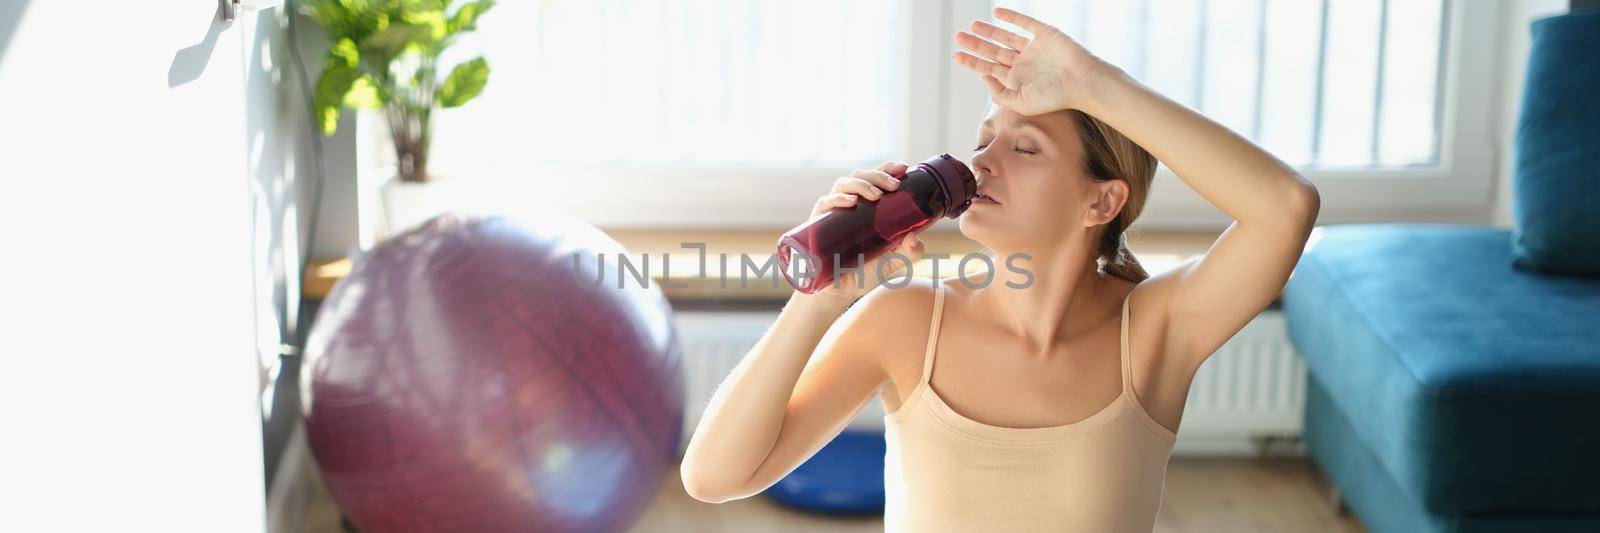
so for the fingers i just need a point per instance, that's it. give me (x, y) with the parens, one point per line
(991, 73)
(1022, 21)
(887, 267)
(835, 201)
(894, 168)
(980, 65)
(911, 245)
(878, 178)
(859, 187)
(999, 54)
(868, 184)
(913, 248)
(998, 90)
(999, 35)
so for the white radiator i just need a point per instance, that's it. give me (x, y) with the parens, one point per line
(1245, 398)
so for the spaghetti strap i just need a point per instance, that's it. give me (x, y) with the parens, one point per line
(1127, 381)
(933, 331)
(1127, 368)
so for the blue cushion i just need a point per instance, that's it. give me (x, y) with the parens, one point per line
(1372, 494)
(844, 477)
(1476, 385)
(1556, 188)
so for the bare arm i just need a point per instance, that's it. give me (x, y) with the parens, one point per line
(747, 413)
(1273, 207)
(801, 383)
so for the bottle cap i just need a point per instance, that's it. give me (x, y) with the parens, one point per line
(955, 180)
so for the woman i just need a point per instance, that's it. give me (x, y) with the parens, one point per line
(1048, 407)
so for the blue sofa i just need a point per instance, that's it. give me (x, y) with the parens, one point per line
(1449, 391)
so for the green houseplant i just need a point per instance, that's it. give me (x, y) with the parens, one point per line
(385, 56)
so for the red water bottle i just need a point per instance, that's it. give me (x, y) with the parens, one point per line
(848, 238)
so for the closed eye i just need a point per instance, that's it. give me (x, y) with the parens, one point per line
(1015, 149)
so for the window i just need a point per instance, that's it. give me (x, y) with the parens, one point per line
(739, 82)
(1324, 84)
(742, 112)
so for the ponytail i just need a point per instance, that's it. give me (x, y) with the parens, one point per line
(1108, 155)
(1115, 258)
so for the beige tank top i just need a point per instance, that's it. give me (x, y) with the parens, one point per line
(946, 472)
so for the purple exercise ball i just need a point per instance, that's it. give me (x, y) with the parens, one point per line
(468, 376)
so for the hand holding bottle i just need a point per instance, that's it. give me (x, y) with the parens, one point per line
(869, 184)
(848, 193)
(864, 232)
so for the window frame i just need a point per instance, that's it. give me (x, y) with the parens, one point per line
(1459, 188)
(950, 102)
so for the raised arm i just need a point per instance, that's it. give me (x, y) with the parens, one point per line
(1210, 298)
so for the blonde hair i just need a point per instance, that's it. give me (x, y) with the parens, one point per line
(1109, 155)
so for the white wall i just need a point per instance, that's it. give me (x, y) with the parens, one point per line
(129, 395)
(284, 172)
(1514, 39)
(281, 169)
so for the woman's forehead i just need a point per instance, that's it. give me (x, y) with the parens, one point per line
(1057, 124)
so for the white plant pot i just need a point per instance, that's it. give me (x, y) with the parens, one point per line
(407, 204)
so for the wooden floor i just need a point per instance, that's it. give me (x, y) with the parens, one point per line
(1201, 495)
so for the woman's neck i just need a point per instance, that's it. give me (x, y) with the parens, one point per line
(1035, 299)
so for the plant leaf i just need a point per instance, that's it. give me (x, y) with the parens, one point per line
(466, 18)
(433, 20)
(464, 83)
(392, 40)
(328, 13)
(365, 94)
(345, 50)
(331, 90)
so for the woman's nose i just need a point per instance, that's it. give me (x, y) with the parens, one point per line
(983, 162)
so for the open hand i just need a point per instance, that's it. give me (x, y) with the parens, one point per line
(1029, 76)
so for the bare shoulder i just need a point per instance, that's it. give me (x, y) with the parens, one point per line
(892, 324)
(890, 310)
(1155, 291)
(1161, 374)
(1147, 317)
(1152, 306)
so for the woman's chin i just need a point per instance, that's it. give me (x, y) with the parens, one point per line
(989, 228)
(975, 226)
